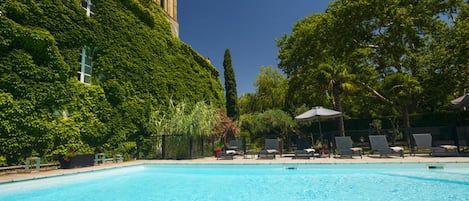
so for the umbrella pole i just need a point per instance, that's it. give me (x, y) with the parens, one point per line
(312, 140)
(320, 130)
(322, 139)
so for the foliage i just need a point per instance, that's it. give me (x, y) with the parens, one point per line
(269, 124)
(271, 90)
(376, 126)
(225, 127)
(184, 119)
(232, 109)
(380, 60)
(395, 51)
(3, 161)
(183, 123)
(318, 66)
(138, 65)
(247, 103)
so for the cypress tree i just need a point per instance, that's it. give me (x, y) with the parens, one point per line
(231, 94)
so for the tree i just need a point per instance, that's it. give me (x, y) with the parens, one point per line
(384, 47)
(454, 44)
(399, 35)
(273, 123)
(271, 88)
(318, 62)
(402, 33)
(247, 103)
(225, 128)
(231, 93)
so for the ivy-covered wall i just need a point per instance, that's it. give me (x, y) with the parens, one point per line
(138, 67)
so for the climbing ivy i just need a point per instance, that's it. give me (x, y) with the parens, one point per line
(138, 66)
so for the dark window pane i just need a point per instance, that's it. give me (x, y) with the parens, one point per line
(88, 70)
(87, 79)
(88, 61)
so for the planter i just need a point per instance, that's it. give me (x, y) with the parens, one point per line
(77, 161)
(216, 152)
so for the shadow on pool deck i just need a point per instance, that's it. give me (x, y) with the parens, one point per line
(6, 178)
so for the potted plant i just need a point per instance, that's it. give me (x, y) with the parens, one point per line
(322, 148)
(74, 158)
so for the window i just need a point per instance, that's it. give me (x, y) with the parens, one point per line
(86, 65)
(163, 4)
(89, 6)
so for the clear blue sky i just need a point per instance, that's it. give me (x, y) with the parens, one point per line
(248, 28)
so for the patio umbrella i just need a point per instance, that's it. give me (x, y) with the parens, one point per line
(461, 102)
(318, 113)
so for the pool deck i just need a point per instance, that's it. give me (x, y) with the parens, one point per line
(6, 178)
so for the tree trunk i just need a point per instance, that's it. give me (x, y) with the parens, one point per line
(336, 91)
(405, 112)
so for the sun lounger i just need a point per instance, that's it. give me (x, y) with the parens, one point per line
(271, 149)
(272, 145)
(424, 142)
(345, 147)
(380, 143)
(304, 150)
(445, 150)
(266, 154)
(304, 153)
(235, 146)
(225, 155)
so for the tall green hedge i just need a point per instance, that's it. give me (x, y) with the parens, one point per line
(138, 66)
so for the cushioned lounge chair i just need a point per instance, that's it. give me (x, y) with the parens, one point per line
(304, 153)
(345, 147)
(235, 146)
(266, 154)
(445, 150)
(225, 155)
(272, 146)
(271, 149)
(304, 150)
(423, 142)
(380, 143)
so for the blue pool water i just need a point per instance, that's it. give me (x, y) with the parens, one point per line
(281, 182)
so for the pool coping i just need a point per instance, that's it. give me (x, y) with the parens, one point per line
(239, 160)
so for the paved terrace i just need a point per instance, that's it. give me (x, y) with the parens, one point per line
(237, 160)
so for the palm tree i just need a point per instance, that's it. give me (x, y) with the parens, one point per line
(335, 77)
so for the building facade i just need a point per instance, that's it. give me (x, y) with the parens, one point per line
(170, 7)
(86, 56)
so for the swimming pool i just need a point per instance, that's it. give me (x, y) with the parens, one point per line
(449, 181)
